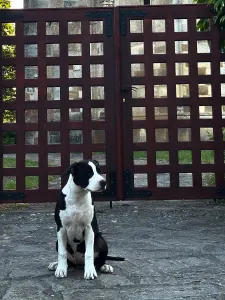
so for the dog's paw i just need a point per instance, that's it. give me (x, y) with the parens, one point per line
(90, 272)
(61, 271)
(53, 266)
(106, 269)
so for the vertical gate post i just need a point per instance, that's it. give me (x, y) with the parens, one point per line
(118, 106)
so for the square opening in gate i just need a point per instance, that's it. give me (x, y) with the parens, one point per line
(31, 115)
(162, 157)
(74, 27)
(136, 26)
(162, 135)
(54, 182)
(74, 49)
(31, 137)
(182, 90)
(182, 68)
(96, 49)
(181, 47)
(159, 69)
(54, 159)
(54, 137)
(53, 115)
(52, 50)
(205, 112)
(100, 157)
(30, 50)
(75, 71)
(161, 113)
(9, 94)
(203, 24)
(8, 29)
(9, 183)
(76, 156)
(183, 112)
(9, 160)
(208, 179)
(31, 182)
(184, 134)
(204, 90)
(76, 136)
(52, 28)
(206, 134)
(204, 68)
(31, 160)
(30, 28)
(180, 25)
(53, 93)
(98, 136)
(158, 25)
(185, 157)
(185, 180)
(96, 27)
(31, 72)
(204, 46)
(76, 114)
(159, 47)
(222, 89)
(98, 114)
(139, 135)
(138, 113)
(140, 180)
(9, 116)
(163, 180)
(9, 72)
(140, 157)
(207, 157)
(9, 138)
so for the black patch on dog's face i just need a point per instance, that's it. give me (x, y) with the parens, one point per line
(82, 172)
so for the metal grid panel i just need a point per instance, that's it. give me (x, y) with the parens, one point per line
(173, 102)
(59, 97)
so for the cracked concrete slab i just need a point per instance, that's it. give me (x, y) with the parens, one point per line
(175, 250)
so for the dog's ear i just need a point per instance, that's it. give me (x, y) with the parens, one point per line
(96, 162)
(70, 170)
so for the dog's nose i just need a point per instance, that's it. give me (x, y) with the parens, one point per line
(103, 183)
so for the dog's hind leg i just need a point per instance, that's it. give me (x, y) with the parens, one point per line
(107, 269)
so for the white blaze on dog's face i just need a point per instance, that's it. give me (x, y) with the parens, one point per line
(87, 175)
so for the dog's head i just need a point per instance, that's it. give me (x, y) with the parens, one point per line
(86, 174)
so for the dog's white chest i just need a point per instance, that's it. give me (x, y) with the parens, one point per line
(75, 220)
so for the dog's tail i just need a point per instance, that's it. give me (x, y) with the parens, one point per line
(115, 258)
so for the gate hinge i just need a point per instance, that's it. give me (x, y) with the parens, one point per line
(108, 16)
(124, 14)
(131, 192)
(4, 196)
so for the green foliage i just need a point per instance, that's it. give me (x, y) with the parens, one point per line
(9, 138)
(8, 73)
(4, 4)
(218, 20)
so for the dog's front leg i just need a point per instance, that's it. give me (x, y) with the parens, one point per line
(89, 268)
(61, 270)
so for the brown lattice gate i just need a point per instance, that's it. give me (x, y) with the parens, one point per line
(138, 88)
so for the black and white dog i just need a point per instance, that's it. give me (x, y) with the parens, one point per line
(79, 241)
